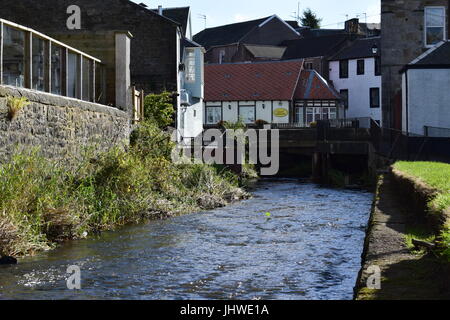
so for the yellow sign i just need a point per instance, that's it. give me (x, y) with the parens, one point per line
(280, 113)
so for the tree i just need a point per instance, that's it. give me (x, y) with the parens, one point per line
(310, 19)
(159, 108)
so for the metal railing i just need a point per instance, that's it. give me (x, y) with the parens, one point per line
(33, 60)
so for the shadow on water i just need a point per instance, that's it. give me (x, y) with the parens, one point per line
(308, 248)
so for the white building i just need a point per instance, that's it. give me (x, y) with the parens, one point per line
(280, 93)
(190, 107)
(355, 72)
(426, 94)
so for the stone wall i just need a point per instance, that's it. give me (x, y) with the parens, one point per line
(62, 127)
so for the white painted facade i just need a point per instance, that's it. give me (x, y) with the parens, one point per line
(358, 87)
(190, 103)
(426, 99)
(248, 111)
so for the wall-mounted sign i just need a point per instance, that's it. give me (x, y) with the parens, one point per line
(280, 112)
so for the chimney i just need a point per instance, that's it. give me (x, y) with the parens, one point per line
(160, 10)
(352, 26)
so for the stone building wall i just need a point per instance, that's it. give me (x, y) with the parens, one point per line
(402, 40)
(62, 127)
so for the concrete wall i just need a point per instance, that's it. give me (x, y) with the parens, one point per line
(428, 103)
(60, 126)
(358, 88)
(402, 40)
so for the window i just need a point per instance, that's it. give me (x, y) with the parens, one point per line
(57, 69)
(222, 56)
(309, 66)
(343, 69)
(360, 67)
(190, 65)
(72, 75)
(374, 97)
(39, 62)
(87, 79)
(378, 66)
(434, 25)
(247, 114)
(13, 57)
(213, 115)
(344, 95)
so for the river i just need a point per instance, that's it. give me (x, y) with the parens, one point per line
(308, 248)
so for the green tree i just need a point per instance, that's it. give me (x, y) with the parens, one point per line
(159, 108)
(310, 19)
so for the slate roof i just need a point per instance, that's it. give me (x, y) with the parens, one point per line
(313, 47)
(179, 14)
(312, 86)
(228, 34)
(252, 81)
(262, 51)
(439, 55)
(306, 32)
(360, 48)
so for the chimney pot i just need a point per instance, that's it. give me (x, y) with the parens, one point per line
(160, 10)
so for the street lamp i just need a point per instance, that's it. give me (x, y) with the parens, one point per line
(375, 49)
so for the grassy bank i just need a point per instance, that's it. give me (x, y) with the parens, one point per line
(45, 202)
(434, 179)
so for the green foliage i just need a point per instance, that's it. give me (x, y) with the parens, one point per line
(337, 178)
(159, 109)
(44, 202)
(16, 104)
(235, 125)
(310, 19)
(433, 174)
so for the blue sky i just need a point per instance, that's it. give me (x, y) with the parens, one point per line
(230, 11)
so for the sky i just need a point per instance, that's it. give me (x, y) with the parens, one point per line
(333, 12)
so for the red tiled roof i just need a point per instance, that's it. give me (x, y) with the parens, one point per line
(252, 81)
(313, 87)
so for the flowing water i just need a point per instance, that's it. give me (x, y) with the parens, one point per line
(309, 248)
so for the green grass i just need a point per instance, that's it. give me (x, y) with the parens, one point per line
(435, 175)
(418, 232)
(45, 202)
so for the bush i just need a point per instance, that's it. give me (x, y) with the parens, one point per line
(45, 202)
(159, 109)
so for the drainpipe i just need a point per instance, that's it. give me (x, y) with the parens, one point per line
(407, 102)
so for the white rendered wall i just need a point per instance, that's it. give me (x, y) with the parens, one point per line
(358, 87)
(428, 99)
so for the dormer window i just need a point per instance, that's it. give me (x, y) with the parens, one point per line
(434, 25)
(190, 65)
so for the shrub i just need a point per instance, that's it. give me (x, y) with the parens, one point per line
(159, 109)
(16, 104)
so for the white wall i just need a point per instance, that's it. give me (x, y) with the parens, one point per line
(231, 110)
(358, 87)
(428, 99)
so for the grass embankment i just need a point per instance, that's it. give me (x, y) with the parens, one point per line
(436, 178)
(45, 202)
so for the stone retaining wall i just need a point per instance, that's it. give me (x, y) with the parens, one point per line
(62, 127)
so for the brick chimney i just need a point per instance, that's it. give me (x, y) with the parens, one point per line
(352, 26)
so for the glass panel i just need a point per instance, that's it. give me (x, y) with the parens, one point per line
(38, 67)
(72, 75)
(213, 115)
(434, 35)
(435, 17)
(13, 57)
(57, 69)
(87, 79)
(247, 114)
(190, 66)
(100, 83)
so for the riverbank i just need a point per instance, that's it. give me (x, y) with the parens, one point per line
(402, 211)
(44, 203)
